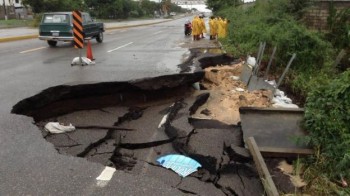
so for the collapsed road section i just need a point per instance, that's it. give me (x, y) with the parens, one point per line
(129, 125)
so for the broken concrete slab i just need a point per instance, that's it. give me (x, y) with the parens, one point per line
(167, 81)
(200, 100)
(211, 142)
(167, 176)
(209, 60)
(199, 123)
(240, 179)
(80, 137)
(276, 128)
(67, 98)
(238, 154)
(246, 74)
(258, 83)
(191, 184)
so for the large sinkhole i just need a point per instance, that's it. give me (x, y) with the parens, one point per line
(127, 125)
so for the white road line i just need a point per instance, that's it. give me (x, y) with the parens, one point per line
(120, 47)
(157, 32)
(121, 31)
(105, 176)
(32, 50)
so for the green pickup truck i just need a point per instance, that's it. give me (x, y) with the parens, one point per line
(58, 26)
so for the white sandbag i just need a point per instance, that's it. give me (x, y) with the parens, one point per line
(55, 127)
(251, 61)
(84, 61)
(279, 93)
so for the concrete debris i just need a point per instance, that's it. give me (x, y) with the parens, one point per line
(239, 154)
(55, 127)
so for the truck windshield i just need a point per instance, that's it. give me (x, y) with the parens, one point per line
(56, 18)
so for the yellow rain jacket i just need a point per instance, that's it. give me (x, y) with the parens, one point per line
(225, 28)
(196, 27)
(221, 28)
(213, 27)
(203, 28)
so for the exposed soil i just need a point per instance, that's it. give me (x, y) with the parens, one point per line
(228, 94)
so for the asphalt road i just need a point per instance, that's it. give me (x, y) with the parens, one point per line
(29, 165)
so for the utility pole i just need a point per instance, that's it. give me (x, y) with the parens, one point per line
(5, 12)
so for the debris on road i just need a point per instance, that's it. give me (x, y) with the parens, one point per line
(182, 165)
(55, 127)
(82, 61)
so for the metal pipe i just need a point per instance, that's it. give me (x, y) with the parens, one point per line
(286, 70)
(270, 62)
(260, 58)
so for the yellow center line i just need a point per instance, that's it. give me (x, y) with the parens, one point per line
(32, 50)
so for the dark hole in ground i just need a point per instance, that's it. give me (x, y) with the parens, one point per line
(141, 105)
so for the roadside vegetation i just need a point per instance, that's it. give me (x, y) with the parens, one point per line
(15, 23)
(324, 89)
(110, 10)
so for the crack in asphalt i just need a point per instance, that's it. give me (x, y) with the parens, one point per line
(187, 192)
(240, 177)
(134, 113)
(134, 146)
(67, 146)
(96, 144)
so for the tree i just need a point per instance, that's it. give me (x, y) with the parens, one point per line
(149, 7)
(216, 5)
(39, 6)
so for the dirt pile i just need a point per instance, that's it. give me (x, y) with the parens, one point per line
(228, 93)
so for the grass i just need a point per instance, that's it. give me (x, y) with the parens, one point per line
(12, 23)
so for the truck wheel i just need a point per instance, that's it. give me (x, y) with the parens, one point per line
(52, 43)
(99, 37)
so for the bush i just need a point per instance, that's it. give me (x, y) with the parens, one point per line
(328, 121)
(275, 22)
(37, 20)
(265, 22)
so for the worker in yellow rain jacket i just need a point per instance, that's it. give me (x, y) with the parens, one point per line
(196, 28)
(225, 27)
(221, 28)
(203, 28)
(213, 28)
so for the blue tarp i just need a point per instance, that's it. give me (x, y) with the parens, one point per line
(181, 164)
